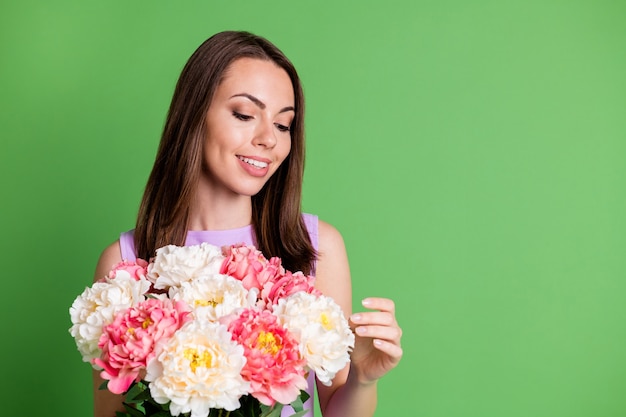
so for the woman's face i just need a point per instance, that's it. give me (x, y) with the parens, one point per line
(248, 127)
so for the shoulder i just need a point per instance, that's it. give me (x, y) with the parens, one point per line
(333, 271)
(110, 256)
(321, 233)
(330, 240)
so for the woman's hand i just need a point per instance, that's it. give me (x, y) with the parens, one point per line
(377, 347)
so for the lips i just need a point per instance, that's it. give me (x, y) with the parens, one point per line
(254, 162)
(256, 167)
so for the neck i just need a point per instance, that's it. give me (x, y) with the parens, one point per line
(220, 211)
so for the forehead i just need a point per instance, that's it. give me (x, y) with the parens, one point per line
(260, 78)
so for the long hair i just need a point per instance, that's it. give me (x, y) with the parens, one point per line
(276, 210)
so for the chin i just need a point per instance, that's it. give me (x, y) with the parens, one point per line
(249, 191)
(252, 188)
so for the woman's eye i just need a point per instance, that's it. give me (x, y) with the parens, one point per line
(240, 116)
(282, 128)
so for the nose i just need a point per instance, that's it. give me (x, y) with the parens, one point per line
(265, 134)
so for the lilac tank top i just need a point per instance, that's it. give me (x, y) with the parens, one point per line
(229, 237)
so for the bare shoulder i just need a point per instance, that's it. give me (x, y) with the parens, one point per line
(331, 250)
(110, 256)
(329, 237)
(333, 270)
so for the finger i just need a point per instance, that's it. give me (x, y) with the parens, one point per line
(382, 304)
(369, 318)
(391, 334)
(391, 349)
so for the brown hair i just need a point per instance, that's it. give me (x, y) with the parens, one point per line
(276, 209)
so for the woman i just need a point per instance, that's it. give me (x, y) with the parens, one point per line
(229, 168)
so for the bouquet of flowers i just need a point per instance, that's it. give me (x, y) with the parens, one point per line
(203, 330)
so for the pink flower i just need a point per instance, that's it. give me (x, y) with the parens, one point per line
(272, 270)
(135, 337)
(274, 366)
(137, 269)
(247, 264)
(287, 284)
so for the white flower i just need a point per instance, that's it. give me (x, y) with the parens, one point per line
(213, 296)
(174, 265)
(97, 306)
(323, 332)
(198, 369)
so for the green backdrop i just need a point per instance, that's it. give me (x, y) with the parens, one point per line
(472, 153)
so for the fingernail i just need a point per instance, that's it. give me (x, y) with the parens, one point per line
(361, 330)
(378, 342)
(366, 302)
(356, 317)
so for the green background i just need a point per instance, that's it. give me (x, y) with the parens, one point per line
(472, 153)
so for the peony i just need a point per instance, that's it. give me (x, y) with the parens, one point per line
(96, 307)
(213, 296)
(323, 332)
(198, 369)
(247, 264)
(288, 284)
(274, 367)
(134, 337)
(174, 265)
(137, 269)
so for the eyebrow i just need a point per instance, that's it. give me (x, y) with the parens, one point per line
(260, 104)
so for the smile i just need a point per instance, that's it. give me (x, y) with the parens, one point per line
(253, 162)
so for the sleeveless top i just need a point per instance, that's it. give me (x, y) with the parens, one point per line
(229, 237)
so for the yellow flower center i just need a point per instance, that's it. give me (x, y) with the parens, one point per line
(267, 342)
(326, 322)
(212, 302)
(196, 359)
(144, 325)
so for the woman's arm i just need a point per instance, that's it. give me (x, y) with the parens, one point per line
(105, 403)
(377, 347)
